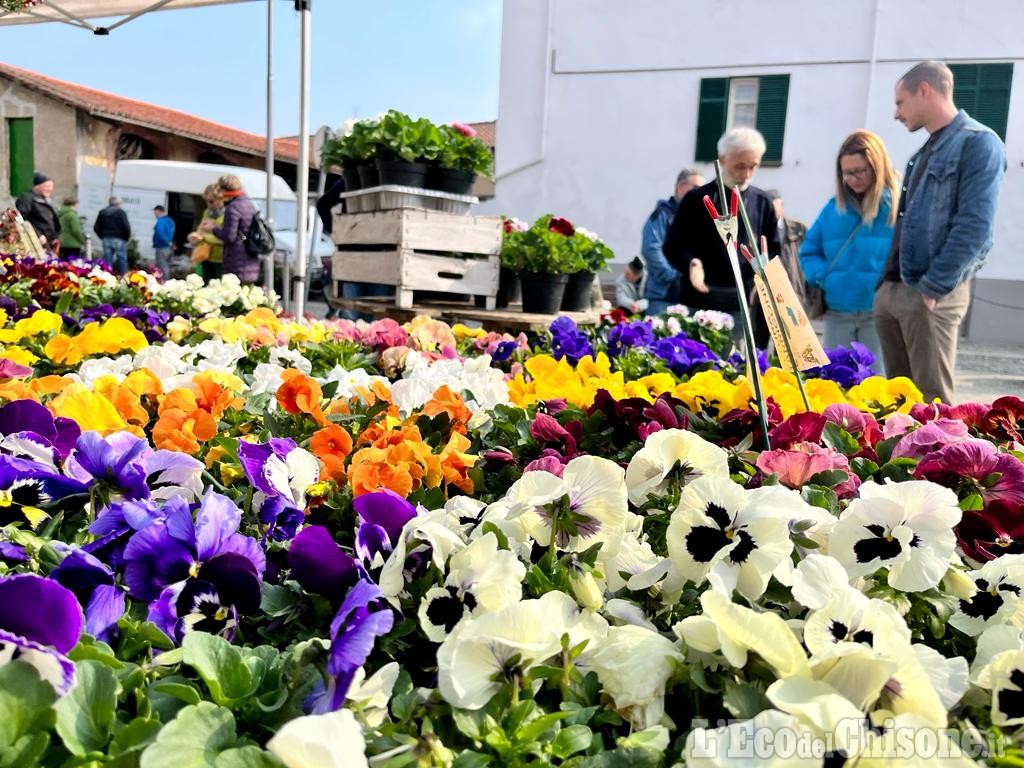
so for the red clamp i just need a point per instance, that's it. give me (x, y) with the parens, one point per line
(711, 207)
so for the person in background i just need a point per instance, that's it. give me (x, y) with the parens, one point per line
(208, 249)
(163, 241)
(943, 231)
(791, 237)
(72, 236)
(239, 211)
(845, 250)
(662, 287)
(629, 288)
(693, 245)
(114, 231)
(35, 207)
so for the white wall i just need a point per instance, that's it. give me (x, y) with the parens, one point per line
(598, 101)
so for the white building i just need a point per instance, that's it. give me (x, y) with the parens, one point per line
(603, 101)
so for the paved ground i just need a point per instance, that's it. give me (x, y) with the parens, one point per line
(985, 371)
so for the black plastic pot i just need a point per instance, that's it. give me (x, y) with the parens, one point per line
(368, 176)
(351, 176)
(577, 292)
(542, 292)
(508, 290)
(450, 180)
(402, 173)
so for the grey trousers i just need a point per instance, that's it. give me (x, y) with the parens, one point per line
(917, 343)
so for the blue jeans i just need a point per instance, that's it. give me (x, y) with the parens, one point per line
(115, 253)
(843, 327)
(359, 290)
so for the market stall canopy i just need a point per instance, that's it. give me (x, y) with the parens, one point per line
(78, 12)
(192, 178)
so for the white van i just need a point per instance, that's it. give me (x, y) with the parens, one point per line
(178, 186)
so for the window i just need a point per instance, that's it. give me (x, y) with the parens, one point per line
(758, 102)
(984, 91)
(20, 154)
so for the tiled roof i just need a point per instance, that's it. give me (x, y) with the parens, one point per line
(486, 132)
(120, 108)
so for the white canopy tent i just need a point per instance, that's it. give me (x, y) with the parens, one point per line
(78, 13)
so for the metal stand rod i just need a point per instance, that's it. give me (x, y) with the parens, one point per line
(303, 6)
(268, 272)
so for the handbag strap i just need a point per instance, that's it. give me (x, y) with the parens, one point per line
(840, 251)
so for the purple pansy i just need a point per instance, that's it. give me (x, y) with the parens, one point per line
(115, 524)
(31, 431)
(319, 564)
(114, 461)
(281, 472)
(568, 341)
(848, 366)
(627, 335)
(683, 354)
(93, 584)
(355, 628)
(40, 621)
(27, 486)
(383, 515)
(196, 575)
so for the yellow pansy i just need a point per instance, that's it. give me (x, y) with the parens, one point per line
(707, 389)
(877, 393)
(40, 321)
(117, 334)
(263, 317)
(178, 328)
(657, 383)
(18, 355)
(63, 350)
(463, 332)
(90, 411)
(822, 393)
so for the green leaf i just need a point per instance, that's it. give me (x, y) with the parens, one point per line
(193, 739)
(26, 704)
(533, 729)
(569, 741)
(247, 757)
(135, 736)
(899, 470)
(972, 503)
(85, 716)
(472, 760)
(183, 691)
(633, 757)
(865, 468)
(838, 439)
(28, 750)
(220, 665)
(744, 701)
(830, 478)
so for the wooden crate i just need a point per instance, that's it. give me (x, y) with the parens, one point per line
(421, 250)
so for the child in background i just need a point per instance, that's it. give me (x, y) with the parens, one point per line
(629, 288)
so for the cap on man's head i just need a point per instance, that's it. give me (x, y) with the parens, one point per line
(637, 264)
(39, 178)
(159, 208)
(115, 200)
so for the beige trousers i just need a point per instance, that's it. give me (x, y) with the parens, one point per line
(919, 343)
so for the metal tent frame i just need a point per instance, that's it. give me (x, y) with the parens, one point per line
(77, 13)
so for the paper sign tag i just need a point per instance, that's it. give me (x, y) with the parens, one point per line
(30, 239)
(802, 338)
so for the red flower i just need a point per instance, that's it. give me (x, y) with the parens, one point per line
(561, 226)
(1005, 420)
(465, 130)
(798, 428)
(997, 531)
(616, 316)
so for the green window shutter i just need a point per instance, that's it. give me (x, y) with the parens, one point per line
(983, 90)
(21, 154)
(711, 116)
(772, 100)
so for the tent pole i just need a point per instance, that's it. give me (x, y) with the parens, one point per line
(299, 279)
(268, 282)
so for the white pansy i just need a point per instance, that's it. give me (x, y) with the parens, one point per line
(850, 617)
(494, 576)
(673, 326)
(816, 578)
(370, 695)
(634, 566)
(730, 746)
(219, 355)
(430, 532)
(633, 665)
(948, 676)
(906, 527)
(333, 740)
(994, 641)
(735, 630)
(584, 506)
(95, 367)
(820, 709)
(999, 584)
(348, 381)
(291, 358)
(478, 653)
(627, 612)
(266, 379)
(720, 533)
(1004, 677)
(672, 454)
(293, 474)
(422, 378)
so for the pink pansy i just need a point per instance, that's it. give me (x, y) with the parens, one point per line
(11, 370)
(898, 424)
(346, 330)
(975, 460)
(969, 413)
(930, 437)
(381, 334)
(803, 461)
(546, 464)
(857, 423)
(799, 428)
(465, 130)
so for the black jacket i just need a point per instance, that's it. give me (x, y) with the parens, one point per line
(112, 221)
(693, 235)
(38, 212)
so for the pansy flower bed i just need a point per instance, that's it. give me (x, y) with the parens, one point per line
(254, 541)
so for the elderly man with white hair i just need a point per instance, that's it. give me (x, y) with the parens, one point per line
(693, 245)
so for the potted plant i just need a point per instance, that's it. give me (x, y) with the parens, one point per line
(402, 148)
(543, 257)
(351, 150)
(462, 157)
(591, 256)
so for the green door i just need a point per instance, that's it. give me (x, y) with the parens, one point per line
(21, 149)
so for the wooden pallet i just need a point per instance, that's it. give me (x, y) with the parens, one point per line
(411, 248)
(512, 320)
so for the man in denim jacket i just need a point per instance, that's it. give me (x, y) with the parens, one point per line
(943, 231)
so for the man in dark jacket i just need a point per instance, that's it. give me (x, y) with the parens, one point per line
(693, 245)
(661, 290)
(113, 229)
(35, 207)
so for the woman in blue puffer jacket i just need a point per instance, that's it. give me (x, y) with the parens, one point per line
(846, 248)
